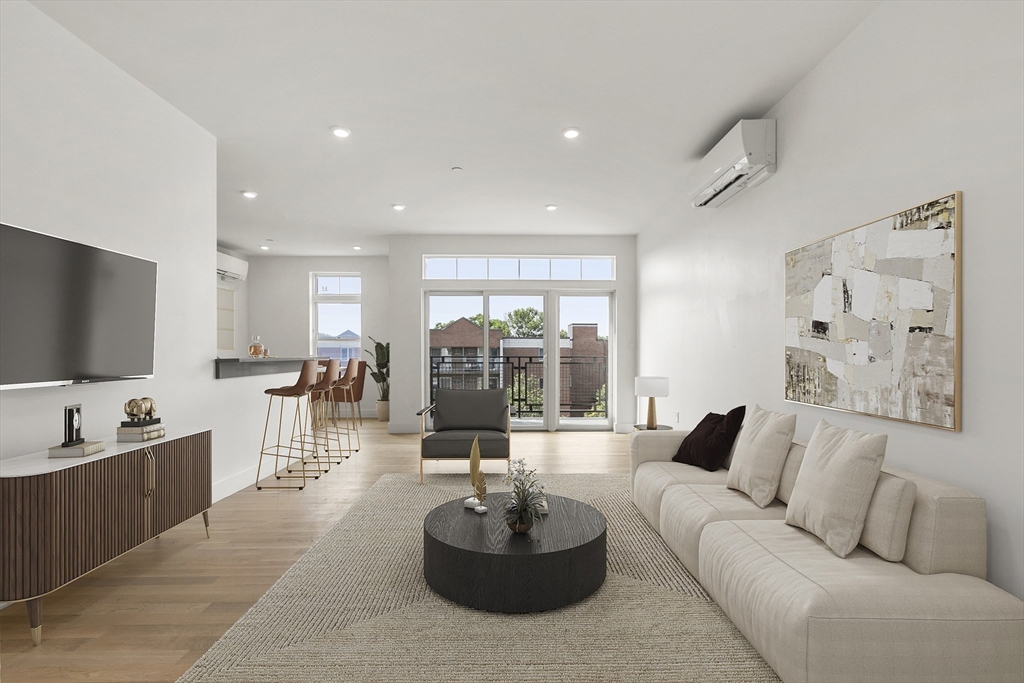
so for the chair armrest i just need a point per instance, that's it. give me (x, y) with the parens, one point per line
(425, 410)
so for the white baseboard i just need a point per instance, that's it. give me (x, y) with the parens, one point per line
(236, 482)
(403, 427)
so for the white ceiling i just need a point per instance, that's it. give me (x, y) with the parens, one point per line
(487, 86)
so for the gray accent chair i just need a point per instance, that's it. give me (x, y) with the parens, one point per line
(461, 415)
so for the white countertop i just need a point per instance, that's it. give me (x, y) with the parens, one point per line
(41, 463)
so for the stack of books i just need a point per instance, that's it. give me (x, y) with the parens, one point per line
(147, 432)
(78, 450)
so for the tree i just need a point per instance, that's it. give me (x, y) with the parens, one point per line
(524, 393)
(525, 322)
(478, 320)
(600, 408)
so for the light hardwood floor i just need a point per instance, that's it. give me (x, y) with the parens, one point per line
(148, 615)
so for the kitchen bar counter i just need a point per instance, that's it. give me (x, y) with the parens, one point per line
(225, 368)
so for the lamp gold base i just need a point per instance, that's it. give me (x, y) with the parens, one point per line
(652, 414)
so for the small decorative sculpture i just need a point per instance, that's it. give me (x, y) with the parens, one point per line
(139, 409)
(476, 477)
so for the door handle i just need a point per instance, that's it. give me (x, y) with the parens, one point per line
(150, 472)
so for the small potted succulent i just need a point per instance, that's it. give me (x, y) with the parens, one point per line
(526, 502)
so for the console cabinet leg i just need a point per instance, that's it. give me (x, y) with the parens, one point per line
(35, 619)
(206, 521)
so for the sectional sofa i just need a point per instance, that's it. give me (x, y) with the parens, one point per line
(909, 603)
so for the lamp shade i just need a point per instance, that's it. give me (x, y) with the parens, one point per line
(651, 386)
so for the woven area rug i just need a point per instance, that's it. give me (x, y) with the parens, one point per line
(355, 607)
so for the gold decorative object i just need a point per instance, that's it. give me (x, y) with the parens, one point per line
(476, 477)
(139, 409)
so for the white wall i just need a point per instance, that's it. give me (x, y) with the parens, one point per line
(89, 154)
(408, 380)
(240, 288)
(922, 99)
(279, 307)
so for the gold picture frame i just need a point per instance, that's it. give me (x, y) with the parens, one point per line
(873, 317)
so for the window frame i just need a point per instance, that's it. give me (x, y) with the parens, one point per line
(316, 298)
(508, 257)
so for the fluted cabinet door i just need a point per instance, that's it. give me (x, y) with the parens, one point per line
(183, 480)
(60, 525)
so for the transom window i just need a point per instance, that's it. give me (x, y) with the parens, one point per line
(518, 268)
(337, 315)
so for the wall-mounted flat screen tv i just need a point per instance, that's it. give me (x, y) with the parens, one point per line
(71, 313)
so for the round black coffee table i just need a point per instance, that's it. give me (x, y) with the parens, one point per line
(476, 561)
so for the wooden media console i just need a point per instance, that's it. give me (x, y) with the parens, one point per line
(62, 518)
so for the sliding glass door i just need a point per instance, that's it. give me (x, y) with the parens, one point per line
(519, 363)
(584, 330)
(557, 376)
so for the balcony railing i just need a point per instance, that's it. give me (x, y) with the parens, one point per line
(582, 390)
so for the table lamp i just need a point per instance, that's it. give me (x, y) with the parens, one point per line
(651, 387)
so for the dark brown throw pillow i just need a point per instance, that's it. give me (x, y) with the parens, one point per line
(709, 443)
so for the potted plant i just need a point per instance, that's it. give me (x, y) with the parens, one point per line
(380, 370)
(526, 503)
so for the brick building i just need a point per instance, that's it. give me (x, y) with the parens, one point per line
(517, 363)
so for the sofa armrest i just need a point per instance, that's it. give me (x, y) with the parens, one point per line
(653, 446)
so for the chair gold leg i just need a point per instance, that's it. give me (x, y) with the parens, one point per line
(263, 444)
(277, 447)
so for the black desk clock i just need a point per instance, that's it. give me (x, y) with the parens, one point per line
(73, 425)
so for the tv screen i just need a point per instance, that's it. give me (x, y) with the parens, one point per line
(71, 313)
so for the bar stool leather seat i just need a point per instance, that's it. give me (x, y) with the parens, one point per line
(303, 386)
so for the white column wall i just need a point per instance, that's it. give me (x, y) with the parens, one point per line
(920, 100)
(89, 154)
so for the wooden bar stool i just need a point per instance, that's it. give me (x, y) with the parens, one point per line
(319, 419)
(342, 394)
(300, 390)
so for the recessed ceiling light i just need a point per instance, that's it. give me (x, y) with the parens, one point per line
(249, 194)
(341, 132)
(398, 207)
(571, 133)
(551, 207)
(456, 168)
(264, 247)
(357, 248)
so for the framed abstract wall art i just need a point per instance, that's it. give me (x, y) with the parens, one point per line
(873, 317)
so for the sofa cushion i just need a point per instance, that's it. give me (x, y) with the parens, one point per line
(760, 454)
(484, 409)
(710, 442)
(888, 518)
(816, 617)
(653, 478)
(794, 459)
(457, 443)
(835, 485)
(686, 510)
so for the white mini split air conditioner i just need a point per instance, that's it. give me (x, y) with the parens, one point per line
(740, 160)
(231, 268)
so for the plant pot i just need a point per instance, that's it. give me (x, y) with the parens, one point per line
(383, 410)
(518, 527)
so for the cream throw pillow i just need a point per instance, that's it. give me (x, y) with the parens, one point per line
(835, 484)
(760, 454)
(888, 519)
